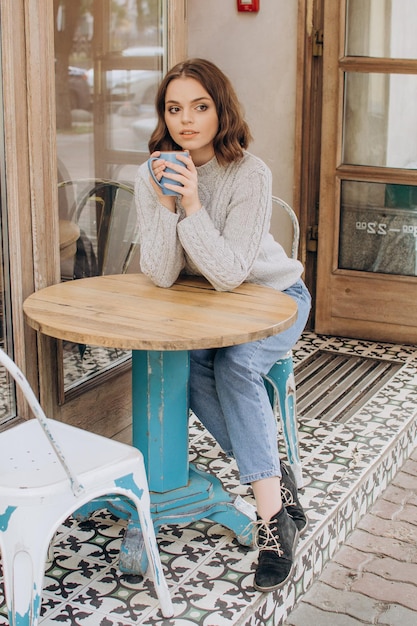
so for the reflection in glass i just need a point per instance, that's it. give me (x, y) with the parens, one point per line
(109, 62)
(381, 28)
(378, 228)
(380, 120)
(105, 214)
(131, 108)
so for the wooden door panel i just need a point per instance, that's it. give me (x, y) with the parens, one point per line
(379, 302)
(377, 308)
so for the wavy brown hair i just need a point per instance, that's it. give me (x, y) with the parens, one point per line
(233, 135)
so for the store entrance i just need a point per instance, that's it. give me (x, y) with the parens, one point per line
(367, 229)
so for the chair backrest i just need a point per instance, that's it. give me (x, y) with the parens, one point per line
(285, 209)
(105, 212)
(37, 411)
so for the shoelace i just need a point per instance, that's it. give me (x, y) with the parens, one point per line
(268, 540)
(287, 497)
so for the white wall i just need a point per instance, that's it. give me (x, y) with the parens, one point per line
(258, 53)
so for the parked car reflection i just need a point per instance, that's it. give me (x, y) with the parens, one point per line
(143, 51)
(143, 129)
(79, 89)
(135, 86)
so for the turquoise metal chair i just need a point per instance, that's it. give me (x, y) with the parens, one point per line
(280, 380)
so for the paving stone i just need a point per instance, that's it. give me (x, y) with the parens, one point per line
(351, 558)
(337, 576)
(305, 615)
(355, 605)
(385, 509)
(397, 615)
(399, 530)
(406, 481)
(370, 585)
(388, 510)
(386, 590)
(410, 466)
(393, 570)
(372, 578)
(366, 542)
(397, 494)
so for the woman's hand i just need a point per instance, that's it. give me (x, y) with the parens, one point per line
(187, 176)
(158, 168)
(189, 179)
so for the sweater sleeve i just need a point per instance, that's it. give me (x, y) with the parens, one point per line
(161, 252)
(225, 252)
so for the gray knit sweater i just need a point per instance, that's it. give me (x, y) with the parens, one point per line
(227, 241)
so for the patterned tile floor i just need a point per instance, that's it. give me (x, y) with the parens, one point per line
(346, 466)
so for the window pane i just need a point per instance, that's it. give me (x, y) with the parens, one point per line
(381, 28)
(378, 228)
(109, 62)
(380, 120)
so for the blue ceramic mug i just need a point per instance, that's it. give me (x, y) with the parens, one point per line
(172, 158)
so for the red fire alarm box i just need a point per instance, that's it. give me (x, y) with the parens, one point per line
(250, 6)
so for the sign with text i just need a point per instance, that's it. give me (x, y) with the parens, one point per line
(382, 240)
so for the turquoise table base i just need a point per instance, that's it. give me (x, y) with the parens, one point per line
(160, 401)
(180, 492)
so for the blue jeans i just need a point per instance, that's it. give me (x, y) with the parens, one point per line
(228, 395)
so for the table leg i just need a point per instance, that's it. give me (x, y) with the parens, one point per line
(160, 416)
(180, 492)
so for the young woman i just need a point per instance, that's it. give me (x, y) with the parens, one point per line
(219, 228)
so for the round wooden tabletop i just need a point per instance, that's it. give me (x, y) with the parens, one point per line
(128, 311)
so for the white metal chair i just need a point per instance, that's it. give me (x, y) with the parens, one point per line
(42, 482)
(280, 380)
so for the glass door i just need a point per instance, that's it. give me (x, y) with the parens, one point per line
(110, 57)
(129, 57)
(367, 251)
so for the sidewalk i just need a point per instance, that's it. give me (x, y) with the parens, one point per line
(372, 579)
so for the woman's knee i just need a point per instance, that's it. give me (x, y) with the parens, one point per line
(235, 359)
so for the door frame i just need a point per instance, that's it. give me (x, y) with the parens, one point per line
(29, 120)
(308, 116)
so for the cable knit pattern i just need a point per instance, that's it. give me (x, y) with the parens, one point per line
(227, 241)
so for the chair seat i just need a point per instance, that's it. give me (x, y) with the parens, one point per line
(27, 460)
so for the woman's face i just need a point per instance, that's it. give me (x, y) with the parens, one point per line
(191, 118)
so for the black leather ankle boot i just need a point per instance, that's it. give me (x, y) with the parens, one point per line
(289, 495)
(276, 541)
